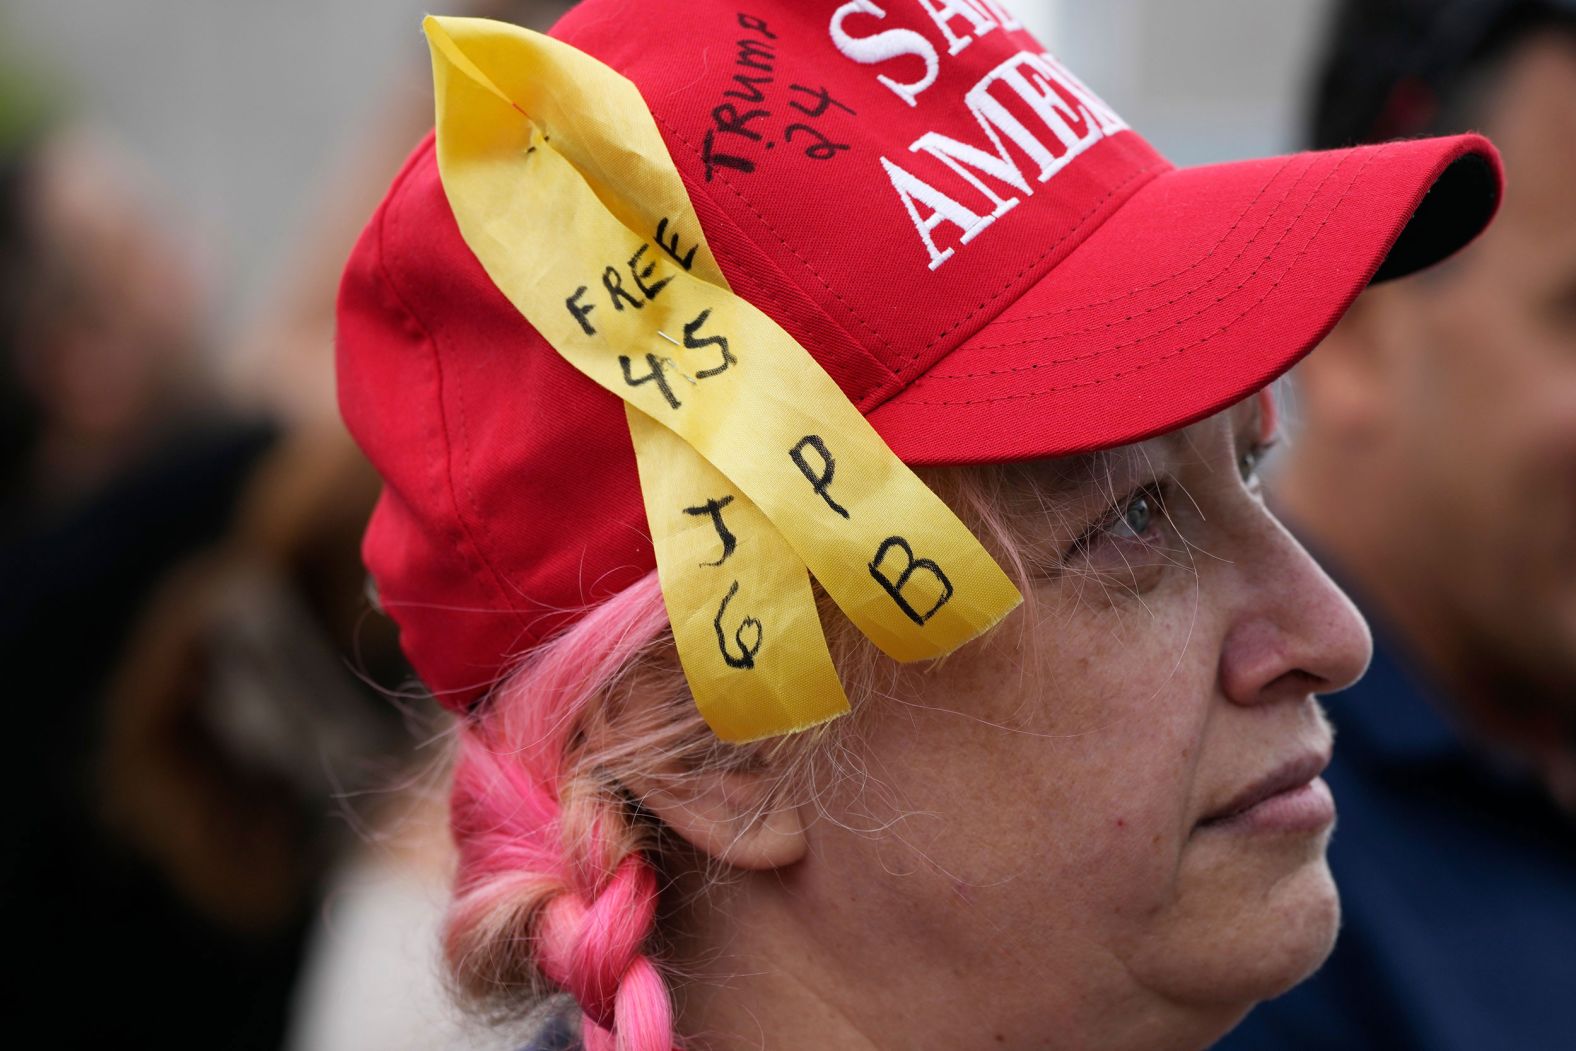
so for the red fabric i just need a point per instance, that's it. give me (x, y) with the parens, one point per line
(1117, 299)
(1206, 285)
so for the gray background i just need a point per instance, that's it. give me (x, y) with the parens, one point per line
(241, 113)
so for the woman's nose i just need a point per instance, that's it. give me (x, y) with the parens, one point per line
(1296, 632)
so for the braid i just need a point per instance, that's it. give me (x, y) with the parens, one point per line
(594, 952)
(555, 887)
(547, 848)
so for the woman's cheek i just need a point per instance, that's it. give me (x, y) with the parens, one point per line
(1166, 685)
(1131, 766)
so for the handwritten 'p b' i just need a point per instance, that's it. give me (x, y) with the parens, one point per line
(820, 475)
(930, 592)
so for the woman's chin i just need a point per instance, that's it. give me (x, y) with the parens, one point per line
(1303, 927)
(1247, 945)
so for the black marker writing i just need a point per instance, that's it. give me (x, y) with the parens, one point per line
(714, 158)
(714, 509)
(754, 64)
(720, 342)
(747, 652)
(739, 136)
(820, 478)
(613, 281)
(687, 260)
(895, 587)
(640, 274)
(755, 25)
(754, 54)
(823, 101)
(580, 310)
(823, 149)
(727, 120)
(656, 365)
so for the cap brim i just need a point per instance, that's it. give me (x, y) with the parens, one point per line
(1204, 287)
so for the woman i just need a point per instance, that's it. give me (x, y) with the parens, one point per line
(1099, 824)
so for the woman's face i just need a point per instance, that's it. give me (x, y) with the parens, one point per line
(1058, 822)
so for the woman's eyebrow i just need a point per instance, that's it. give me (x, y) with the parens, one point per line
(1068, 476)
(1076, 488)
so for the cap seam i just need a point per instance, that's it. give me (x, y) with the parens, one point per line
(745, 200)
(1200, 261)
(1039, 260)
(474, 554)
(786, 310)
(1178, 351)
(932, 375)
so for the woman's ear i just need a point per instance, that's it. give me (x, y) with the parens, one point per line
(727, 815)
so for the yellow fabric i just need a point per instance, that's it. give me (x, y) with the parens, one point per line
(753, 463)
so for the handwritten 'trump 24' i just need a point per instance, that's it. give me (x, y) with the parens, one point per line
(1066, 118)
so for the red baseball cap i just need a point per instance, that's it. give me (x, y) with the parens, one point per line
(980, 252)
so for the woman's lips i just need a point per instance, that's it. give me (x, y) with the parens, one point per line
(1294, 798)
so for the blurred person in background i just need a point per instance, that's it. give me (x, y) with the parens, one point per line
(101, 319)
(371, 977)
(1435, 470)
(224, 800)
(118, 464)
(181, 594)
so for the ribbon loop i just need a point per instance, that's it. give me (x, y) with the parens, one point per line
(754, 466)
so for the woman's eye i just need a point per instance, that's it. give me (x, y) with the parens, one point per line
(1251, 459)
(1134, 521)
(1136, 518)
(1129, 549)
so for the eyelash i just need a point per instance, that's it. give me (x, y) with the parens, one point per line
(1156, 493)
(1252, 459)
(1114, 518)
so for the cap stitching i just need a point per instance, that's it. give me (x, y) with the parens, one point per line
(1178, 351)
(721, 177)
(784, 309)
(1141, 366)
(1190, 293)
(476, 555)
(1037, 261)
(1200, 261)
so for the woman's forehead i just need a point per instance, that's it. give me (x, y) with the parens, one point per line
(1037, 486)
(1253, 419)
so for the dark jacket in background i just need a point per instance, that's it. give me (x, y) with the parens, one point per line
(1457, 876)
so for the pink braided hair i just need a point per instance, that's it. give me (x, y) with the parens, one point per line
(544, 849)
(556, 885)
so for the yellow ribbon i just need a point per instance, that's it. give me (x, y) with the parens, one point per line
(753, 464)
